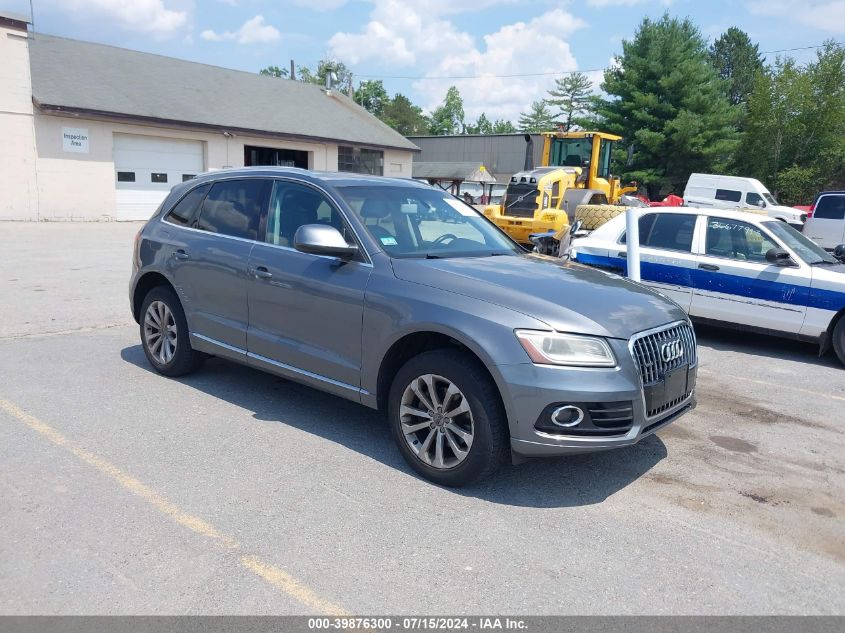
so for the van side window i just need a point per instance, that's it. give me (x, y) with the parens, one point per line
(233, 207)
(728, 195)
(754, 199)
(184, 211)
(830, 208)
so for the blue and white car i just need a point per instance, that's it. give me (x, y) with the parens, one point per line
(733, 269)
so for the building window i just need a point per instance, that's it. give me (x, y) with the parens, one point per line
(154, 177)
(187, 177)
(126, 176)
(360, 161)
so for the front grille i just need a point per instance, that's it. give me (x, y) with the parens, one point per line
(658, 354)
(524, 207)
(647, 350)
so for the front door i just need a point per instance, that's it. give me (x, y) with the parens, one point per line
(305, 311)
(735, 283)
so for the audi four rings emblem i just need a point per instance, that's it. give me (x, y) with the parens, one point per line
(671, 350)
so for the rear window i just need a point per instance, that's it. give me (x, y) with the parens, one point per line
(728, 195)
(233, 207)
(830, 208)
(183, 212)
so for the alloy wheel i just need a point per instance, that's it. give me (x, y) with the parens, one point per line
(436, 421)
(160, 332)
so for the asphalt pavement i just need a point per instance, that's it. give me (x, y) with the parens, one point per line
(235, 492)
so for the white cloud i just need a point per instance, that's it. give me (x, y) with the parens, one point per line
(403, 35)
(827, 15)
(320, 5)
(253, 31)
(146, 16)
(628, 3)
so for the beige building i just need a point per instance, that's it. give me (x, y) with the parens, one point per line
(94, 132)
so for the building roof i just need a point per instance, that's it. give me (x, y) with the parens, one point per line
(95, 79)
(473, 172)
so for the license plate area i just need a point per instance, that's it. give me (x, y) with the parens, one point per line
(669, 392)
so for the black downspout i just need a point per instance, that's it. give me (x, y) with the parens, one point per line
(529, 153)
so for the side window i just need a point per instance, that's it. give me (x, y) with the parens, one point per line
(754, 199)
(183, 212)
(736, 240)
(830, 208)
(646, 222)
(729, 195)
(292, 206)
(233, 207)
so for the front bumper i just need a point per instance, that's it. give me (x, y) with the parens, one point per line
(520, 228)
(532, 388)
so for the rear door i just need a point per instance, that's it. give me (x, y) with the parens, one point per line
(667, 262)
(827, 226)
(210, 260)
(734, 282)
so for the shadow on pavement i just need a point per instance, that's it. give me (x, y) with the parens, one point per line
(724, 339)
(573, 481)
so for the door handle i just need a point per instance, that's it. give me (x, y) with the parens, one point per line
(262, 273)
(181, 254)
(711, 267)
(622, 254)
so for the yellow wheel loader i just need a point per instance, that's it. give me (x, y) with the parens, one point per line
(574, 171)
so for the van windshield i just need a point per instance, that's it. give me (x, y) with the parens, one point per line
(425, 222)
(807, 250)
(770, 198)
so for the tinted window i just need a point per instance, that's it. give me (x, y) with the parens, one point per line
(646, 222)
(158, 177)
(187, 177)
(183, 212)
(359, 160)
(754, 199)
(292, 206)
(736, 240)
(126, 176)
(830, 208)
(671, 231)
(729, 195)
(233, 207)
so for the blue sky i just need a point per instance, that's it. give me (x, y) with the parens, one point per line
(425, 40)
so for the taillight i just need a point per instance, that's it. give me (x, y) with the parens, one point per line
(810, 211)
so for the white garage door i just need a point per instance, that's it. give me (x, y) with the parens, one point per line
(146, 169)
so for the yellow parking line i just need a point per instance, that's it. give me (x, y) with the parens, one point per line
(271, 574)
(820, 394)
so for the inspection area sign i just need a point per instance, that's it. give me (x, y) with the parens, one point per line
(75, 139)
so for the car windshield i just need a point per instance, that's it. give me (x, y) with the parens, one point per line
(806, 249)
(770, 198)
(425, 222)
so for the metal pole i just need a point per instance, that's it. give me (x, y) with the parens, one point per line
(632, 240)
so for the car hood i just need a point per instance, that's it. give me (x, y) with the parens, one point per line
(779, 208)
(567, 296)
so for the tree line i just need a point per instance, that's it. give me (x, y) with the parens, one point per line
(680, 106)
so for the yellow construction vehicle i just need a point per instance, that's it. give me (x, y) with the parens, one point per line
(574, 171)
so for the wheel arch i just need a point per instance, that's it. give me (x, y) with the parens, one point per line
(827, 336)
(146, 283)
(412, 344)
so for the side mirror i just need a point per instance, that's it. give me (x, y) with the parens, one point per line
(321, 239)
(778, 257)
(761, 204)
(839, 253)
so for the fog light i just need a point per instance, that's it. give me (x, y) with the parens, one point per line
(567, 416)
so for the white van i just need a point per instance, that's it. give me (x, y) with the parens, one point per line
(826, 224)
(733, 192)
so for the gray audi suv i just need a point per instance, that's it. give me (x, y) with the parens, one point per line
(397, 295)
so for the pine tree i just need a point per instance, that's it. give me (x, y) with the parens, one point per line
(538, 118)
(737, 61)
(572, 95)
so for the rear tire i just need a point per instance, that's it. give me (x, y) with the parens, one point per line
(165, 336)
(838, 339)
(594, 215)
(458, 436)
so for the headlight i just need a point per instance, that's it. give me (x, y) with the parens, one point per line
(553, 348)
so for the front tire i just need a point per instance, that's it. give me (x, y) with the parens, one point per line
(838, 339)
(447, 419)
(164, 334)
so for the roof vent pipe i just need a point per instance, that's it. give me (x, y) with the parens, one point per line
(529, 153)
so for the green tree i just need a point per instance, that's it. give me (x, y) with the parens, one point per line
(448, 117)
(737, 61)
(481, 126)
(667, 101)
(538, 118)
(572, 96)
(324, 67)
(404, 117)
(275, 71)
(794, 138)
(372, 96)
(501, 126)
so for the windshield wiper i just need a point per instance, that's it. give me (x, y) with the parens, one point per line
(825, 262)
